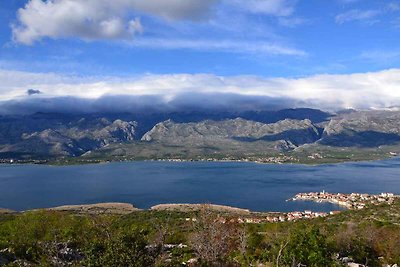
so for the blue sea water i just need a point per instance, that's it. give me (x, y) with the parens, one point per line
(246, 185)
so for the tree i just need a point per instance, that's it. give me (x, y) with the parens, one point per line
(213, 237)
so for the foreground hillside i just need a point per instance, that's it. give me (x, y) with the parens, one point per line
(201, 237)
(299, 135)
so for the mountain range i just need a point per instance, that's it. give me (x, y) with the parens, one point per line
(294, 133)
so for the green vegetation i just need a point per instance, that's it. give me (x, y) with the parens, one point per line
(149, 238)
(302, 156)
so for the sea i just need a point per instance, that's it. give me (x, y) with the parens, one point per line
(258, 187)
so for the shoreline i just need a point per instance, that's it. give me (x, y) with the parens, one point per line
(97, 162)
(116, 207)
(226, 212)
(353, 201)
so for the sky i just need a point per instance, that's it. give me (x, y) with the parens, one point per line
(325, 54)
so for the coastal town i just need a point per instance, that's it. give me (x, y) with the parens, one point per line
(286, 217)
(273, 217)
(354, 201)
(272, 159)
(267, 159)
(281, 158)
(23, 161)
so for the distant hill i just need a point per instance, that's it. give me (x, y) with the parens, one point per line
(291, 132)
(208, 133)
(363, 129)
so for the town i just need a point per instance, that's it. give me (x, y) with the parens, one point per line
(272, 159)
(350, 201)
(353, 201)
(286, 217)
(271, 217)
(22, 161)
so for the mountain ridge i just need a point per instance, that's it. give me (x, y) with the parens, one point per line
(198, 135)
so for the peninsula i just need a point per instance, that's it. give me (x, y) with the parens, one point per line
(353, 201)
(350, 201)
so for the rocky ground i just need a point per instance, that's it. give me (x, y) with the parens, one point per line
(5, 211)
(197, 207)
(101, 208)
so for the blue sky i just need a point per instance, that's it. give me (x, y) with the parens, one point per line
(325, 44)
(128, 40)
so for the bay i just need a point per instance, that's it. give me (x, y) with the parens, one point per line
(258, 187)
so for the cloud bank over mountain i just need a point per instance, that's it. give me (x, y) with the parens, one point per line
(195, 91)
(193, 102)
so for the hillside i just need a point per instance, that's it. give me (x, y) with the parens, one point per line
(363, 129)
(43, 136)
(202, 237)
(301, 135)
(294, 132)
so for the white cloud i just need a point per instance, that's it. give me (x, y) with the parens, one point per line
(362, 90)
(381, 56)
(171, 9)
(396, 23)
(368, 16)
(119, 19)
(292, 22)
(348, 1)
(97, 19)
(280, 8)
(393, 6)
(256, 47)
(358, 15)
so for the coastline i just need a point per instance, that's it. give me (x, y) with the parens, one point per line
(6, 211)
(226, 212)
(126, 208)
(79, 162)
(351, 201)
(197, 207)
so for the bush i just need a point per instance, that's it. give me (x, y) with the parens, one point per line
(306, 246)
(126, 249)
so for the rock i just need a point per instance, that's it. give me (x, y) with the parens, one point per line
(190, 262)
(101, 208)
(42, 135)
(62, 254)
(238, 133)
(66, 254)
(346, 260)
(6, 211)
(363, 129)
(22, 263)
(284, 146)
(197, 207)
(229, 129)
(195, 136)
(6, 257)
